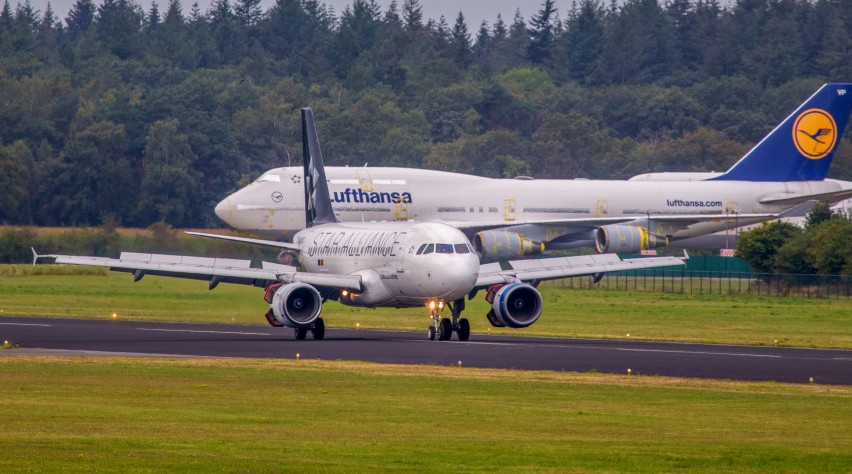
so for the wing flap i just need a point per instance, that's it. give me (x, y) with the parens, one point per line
(562, 267)
(178, 266)
(226, 270)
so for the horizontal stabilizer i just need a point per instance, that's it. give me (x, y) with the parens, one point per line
(833, 196)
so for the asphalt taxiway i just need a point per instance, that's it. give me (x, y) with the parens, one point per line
(782, 364)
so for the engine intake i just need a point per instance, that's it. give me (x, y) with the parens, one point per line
(516, 305)
(493, 245)
(621, 238)
(294, 305)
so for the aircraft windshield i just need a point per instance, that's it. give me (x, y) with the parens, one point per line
(443, 248)
(462, 248)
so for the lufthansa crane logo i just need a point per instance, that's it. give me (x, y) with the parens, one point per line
(814, 133)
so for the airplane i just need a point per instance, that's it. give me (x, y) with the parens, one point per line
(782, 176)
(372, 264)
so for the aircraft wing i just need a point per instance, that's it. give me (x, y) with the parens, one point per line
(561, 267)
(679, 220)
(214, 270)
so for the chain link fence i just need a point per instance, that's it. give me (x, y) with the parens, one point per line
(718, 283)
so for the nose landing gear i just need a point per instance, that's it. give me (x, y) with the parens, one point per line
(443, 328)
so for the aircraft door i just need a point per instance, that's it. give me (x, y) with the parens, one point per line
(365, 182)
(601, 208)
(509, 209)
(400, 211)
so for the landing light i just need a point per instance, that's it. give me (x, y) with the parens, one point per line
(344, 293)
(431, 305)
(440, 305)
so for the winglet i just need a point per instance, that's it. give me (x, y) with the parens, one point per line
(685, 256)
(318, 208)
(35, 256)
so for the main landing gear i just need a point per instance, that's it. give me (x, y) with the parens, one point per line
(317, 330)
(443, 328)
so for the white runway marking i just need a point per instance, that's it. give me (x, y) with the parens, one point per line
(206, 332)
(25, 324)
(599, 348)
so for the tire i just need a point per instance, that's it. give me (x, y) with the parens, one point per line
(300, 333)
(431, 333)
(445, 330)
(318, 331)
(464, 329)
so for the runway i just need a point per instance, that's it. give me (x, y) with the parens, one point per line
(527, 353)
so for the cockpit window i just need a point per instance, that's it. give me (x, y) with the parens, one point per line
(421, 249)
(429, 249)
(444, 248)
(462, 248)
(269, 177)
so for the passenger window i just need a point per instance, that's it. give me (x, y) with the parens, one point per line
(444, 248)
(462, 248)
(429, 249)
(421, 249)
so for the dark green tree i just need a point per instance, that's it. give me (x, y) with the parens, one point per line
(584, 39)
(759, 246)
(542, 35)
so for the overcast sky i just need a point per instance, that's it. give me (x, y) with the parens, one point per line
(475, 11)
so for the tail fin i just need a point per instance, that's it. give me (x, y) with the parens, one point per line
(802, 147)
(318, 208)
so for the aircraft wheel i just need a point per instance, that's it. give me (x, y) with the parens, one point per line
(431, 333)
(464, 329)
(446, 330)
(300, 333)
(318, 330)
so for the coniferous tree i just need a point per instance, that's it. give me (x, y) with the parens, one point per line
(460, 42)
(542, 35)
(584, 39)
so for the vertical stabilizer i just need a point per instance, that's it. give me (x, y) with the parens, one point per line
(802, 146)
(318, 208)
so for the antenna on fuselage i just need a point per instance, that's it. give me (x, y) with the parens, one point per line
(318, 208)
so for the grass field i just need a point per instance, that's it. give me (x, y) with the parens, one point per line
(95, 293)
(129, 415)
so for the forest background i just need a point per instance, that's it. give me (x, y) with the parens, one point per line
(132, 117)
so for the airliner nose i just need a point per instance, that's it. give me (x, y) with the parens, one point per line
(223, 210)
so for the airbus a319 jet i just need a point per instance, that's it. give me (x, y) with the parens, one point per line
(508, 218)
(373, 264)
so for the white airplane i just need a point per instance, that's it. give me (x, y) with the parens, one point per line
(390, 264)
(507, 218)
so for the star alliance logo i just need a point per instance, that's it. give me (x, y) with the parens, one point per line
(814, 133)
(296, 179)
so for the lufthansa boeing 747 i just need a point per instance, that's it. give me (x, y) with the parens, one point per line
(783, 175)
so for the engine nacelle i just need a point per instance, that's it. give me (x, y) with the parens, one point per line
(516, 305)
(493, 245)
(623, 238)
(294, 305)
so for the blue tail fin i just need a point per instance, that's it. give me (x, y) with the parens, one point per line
(318, 208)
(802, 147)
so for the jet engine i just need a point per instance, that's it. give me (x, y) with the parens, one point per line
(622, 238)
(493, 245)
(293, 305)
(516, 305)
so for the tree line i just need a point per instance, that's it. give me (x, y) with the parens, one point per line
(823, 246)
(130, 116)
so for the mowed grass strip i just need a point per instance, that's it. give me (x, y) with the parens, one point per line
(762, 320)
(83, 414)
